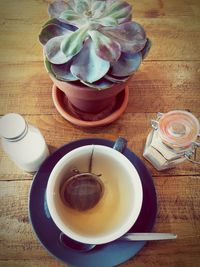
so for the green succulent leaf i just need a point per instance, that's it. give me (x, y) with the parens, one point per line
(118, 10)
(100, 84)
(87, 66)
(98, 8)
(72, 17)
(62, 72)
(107, 21)
(73, 43)
(126, 65)
(81, 6)
(53, 52)
(56, 8)
(110, 2)
(105, 47)
(131, 36)
(51, 31)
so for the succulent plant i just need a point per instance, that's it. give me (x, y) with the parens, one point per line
(94, 42)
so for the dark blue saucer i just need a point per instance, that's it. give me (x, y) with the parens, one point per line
(108, 255)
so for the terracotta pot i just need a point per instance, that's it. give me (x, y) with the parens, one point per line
(61, 103)
(88, 99)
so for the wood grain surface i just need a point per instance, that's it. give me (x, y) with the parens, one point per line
(169, 78)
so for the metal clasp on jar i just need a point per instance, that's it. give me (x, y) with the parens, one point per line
(189, 154)
(154, 123)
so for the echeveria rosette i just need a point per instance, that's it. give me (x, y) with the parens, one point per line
(93, 41)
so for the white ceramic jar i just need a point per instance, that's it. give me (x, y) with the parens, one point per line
(172, 140)
(22, 142)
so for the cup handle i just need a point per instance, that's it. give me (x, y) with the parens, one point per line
(120, 144)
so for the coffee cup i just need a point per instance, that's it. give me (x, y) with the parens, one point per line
(119, 205)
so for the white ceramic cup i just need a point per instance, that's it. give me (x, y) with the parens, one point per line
(123, 205)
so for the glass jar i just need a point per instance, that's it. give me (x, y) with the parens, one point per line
(173, 139)
(22, 142)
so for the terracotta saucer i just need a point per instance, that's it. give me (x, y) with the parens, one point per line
(76, 117)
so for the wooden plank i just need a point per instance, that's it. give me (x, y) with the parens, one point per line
(16, 232)
(157, 86)
(32, 263)
(179, 253)
(165, 86)
(37, 10)
(161, 8)
(32, 11)
(57, 132)
(172, 26)
(25, 88)
(178, 212)
(173, 38)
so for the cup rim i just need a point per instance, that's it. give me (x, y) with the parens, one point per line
(108, 237)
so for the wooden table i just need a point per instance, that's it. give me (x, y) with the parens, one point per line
(168, 79)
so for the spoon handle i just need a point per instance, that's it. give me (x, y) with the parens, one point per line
(148, 236)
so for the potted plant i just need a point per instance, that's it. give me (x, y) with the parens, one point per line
(91, 50)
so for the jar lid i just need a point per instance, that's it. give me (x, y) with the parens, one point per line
(12, 126)
(178, 128)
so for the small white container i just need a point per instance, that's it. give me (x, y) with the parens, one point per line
(173, 139)
(22, 142)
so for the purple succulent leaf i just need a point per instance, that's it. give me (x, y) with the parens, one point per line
(114, 79)
(47, 65)
(87, 66)
(118, 9)
(53, 52)
(72, 44)
(62, 72)
(131, 36)
(100, 84)
(60, 23)
(56, 8)
(126, 65)
(128, 18)
(105, 47)
(51, 31)
(146, 49)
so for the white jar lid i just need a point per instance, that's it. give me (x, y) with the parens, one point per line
(12, 126)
